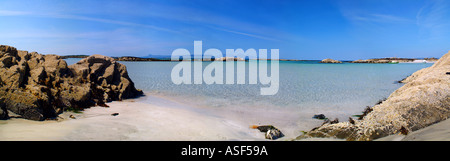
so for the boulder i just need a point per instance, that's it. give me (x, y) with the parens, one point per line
(108, 78)
(319, 116)
(3, 111)
(39, 86)
(330, 61)
(272, 133)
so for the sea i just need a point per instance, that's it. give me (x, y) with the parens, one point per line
(306, 88)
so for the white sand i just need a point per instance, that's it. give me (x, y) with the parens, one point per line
(167, 120)
(421, 61)
(136, 121)
(437, 132)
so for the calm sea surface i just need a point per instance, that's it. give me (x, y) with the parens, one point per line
(306, 86)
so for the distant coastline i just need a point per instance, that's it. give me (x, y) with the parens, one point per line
(370, 61)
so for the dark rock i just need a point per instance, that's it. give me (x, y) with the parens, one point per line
(403, 131)
(114, 114)
(335, 121)
(365, 112)
(103, 105)
(380, 101)
(351, 120)
(3, 112)
(272, 132)
(448, 73)
(319, 116)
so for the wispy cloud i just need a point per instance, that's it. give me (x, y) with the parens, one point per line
(245, 34)
(378, 18)
(433, 19)
(37, 33)
(216, 21)
(83, 18)
(13, 13)
(206, 19)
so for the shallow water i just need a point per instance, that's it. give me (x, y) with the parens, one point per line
(306, 88)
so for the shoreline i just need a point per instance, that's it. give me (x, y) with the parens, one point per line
(156, 118)
(135, 121)
(422, 101)
(172, 119)
(229, 128)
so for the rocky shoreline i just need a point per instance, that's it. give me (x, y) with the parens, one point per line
(40, 87)
(390, 60)
(423, 100)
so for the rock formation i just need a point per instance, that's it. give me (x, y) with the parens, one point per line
(422, 101)
(131, 58)
(384, 60)
(272, 133)
(330, 61)
(230, 59)
(39, 86)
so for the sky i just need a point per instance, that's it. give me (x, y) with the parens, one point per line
(300, 29)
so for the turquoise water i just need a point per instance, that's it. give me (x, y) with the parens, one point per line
(339, 90)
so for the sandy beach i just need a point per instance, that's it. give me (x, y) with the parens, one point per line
(136, 121)
(436, 132)
(162, 119)
(142, 121)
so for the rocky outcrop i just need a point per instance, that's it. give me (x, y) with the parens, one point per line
(39, 86)
(374, 61)
(422, 101)
(272, 133)
(229, 59)
(131, 58)
(74, 56)
(384, 60)
(330, 61)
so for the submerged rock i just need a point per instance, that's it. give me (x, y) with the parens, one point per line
(40, 86)
(319, 116)
(422, 101)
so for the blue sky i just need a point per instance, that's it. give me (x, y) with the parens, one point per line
(301, 29)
